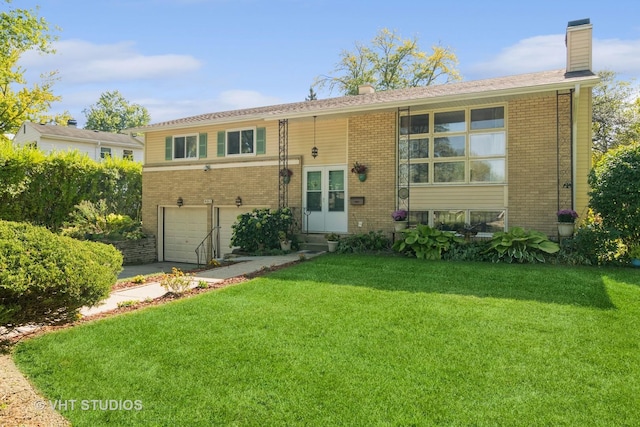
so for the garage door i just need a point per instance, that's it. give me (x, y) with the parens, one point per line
(228, 217)
(184, 229)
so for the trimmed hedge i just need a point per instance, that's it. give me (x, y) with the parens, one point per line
(45, 189)
(46, 278)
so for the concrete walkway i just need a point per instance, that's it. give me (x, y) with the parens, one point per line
(241, 267)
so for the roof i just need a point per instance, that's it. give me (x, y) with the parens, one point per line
(449, 92)
(87, 135)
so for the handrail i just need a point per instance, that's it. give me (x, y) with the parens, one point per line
(203, 248)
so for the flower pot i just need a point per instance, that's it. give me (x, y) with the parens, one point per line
(362, 177)
(332, 245)
(285, 245)
(635, 262)
(565, 229)
(399, 225)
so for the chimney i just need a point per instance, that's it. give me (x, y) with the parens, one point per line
(579, 46)
(365, 89)
(72, 123)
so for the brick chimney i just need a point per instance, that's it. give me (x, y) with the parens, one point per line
(579, 45)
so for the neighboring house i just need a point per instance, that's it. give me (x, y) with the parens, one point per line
(96, 144)
(493, 154)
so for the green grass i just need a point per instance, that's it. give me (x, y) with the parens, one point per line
(364, 341)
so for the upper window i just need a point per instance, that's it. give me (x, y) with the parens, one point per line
(456, 147)
(241, 141)
(487, 118)
(449, 121)
(185, 147)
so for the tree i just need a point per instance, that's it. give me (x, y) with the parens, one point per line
(615, 191)
(113, 113)
(22, 30)
(312, 95)
(615, 114)
(390, 63)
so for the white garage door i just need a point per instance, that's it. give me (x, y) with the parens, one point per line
(228, 217)
(184, 229)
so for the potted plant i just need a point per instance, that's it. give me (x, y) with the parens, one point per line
(332, 241)
(566, 219)
(400, 219)
(286, 173)
(634, 254)
(285, 242)
(360, 170)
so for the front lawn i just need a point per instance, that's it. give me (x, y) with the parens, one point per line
(362, 341)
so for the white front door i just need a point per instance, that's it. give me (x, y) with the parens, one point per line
(325, 207)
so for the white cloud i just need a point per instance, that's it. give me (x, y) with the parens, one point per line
(549, 53)
(533, 54)
(161, 109)
(79, 61)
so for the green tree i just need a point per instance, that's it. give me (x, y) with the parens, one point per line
(113, 113)
(615, 191)
(21, 30)
(390, 63)
(615, 113)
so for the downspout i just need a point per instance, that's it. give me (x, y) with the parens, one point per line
(574, 143)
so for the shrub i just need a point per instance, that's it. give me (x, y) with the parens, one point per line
(92, 221)
(467, 251)
(176, 282)
(44, 189)
(373, 241)
(260, 229)
(425, 242)
(615, 191)
(593, 245)
(520, 245)
(46, 278)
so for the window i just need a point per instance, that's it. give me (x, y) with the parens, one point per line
(450, 121)
(185, 147)
(105, 152)
(462, 146)
(489, 221)
(240, 142)
(127, 154)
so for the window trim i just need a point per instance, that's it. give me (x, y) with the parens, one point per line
(467, 158)
(240, 130)
(185, 136)
(105, 152)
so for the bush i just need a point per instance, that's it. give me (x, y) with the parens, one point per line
(44, 189)
(467, 251)
(520, 245)
(373, 242)
(615, 191)
(46, 278)
(259, 229)
(593, 245)
(425, 242)
(92, 221)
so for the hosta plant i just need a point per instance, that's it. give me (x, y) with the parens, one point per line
(425, 242)
(520, 245)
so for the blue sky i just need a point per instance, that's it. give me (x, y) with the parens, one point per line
(180, 58)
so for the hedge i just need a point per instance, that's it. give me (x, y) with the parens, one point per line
(46, 278)
(44, 189)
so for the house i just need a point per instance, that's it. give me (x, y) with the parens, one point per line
(491, 154)
(96, 144)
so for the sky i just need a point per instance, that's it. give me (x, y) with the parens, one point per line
(181, 58)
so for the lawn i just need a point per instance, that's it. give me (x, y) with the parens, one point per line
(362, 341)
